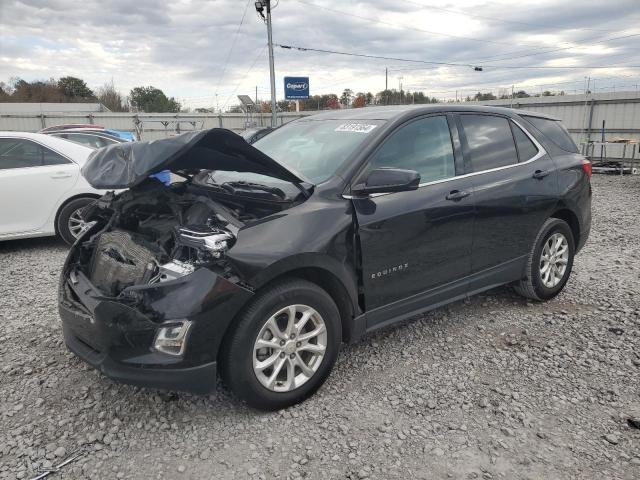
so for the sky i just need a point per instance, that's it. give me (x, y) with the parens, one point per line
(206, 52)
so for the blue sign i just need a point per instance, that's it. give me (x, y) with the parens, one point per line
(296, 88)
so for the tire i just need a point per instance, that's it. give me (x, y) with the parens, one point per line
(67, 210)
(240, 351)
(534, 285)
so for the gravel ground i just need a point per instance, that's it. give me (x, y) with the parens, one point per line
(492, 387)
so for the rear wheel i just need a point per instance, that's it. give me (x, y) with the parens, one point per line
(283, 347)
(70, 224)
(549, 263)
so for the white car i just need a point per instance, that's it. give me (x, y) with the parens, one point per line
(41, 187)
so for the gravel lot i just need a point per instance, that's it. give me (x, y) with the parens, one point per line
(493, 387)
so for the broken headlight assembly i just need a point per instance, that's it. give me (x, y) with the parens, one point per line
(205, 238)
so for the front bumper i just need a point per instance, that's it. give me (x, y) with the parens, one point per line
(115, 335)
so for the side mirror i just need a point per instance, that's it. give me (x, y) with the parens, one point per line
(387, 180)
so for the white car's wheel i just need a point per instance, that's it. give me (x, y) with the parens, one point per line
(70, 224)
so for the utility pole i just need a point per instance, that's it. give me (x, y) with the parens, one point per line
(272, 70)
(386, 84)
(261, 5)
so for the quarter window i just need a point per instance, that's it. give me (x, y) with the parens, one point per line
(554, 131)
(20, 153)
(423, 145)
(526, 148)
(489, 142)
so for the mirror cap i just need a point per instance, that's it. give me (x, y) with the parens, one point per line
(388, 180)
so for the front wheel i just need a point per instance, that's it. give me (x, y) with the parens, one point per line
(283, 345)
(549, 263)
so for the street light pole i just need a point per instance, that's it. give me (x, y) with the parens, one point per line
(272, 71)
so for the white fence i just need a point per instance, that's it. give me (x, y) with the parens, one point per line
(148, 125)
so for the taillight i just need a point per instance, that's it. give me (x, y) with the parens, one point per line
(586, 166)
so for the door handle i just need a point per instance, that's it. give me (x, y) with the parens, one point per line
(61, 175)
(540, 174)
(457, 194)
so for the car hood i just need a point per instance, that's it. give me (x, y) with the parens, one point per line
(125, 165)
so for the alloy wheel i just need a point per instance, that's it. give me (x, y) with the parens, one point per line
(554, 260)
(76, 224)
(289, 348)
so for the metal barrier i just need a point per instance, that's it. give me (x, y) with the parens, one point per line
(613, 157)
(148, 126)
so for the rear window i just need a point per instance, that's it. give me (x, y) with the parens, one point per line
(554, 131)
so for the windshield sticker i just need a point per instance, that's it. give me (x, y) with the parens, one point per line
(355, 127)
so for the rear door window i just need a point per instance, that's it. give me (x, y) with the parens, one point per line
(554, 131)
(21, 153)
(489, 142)
(526, 148)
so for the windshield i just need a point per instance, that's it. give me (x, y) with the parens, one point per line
(316, 148)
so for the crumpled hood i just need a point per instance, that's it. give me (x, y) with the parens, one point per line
(124, 165)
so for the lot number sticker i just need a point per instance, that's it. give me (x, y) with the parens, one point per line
(355, 128)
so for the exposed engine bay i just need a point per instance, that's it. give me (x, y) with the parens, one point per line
(154, 233)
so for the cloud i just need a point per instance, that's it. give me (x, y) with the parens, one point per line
(182, 46)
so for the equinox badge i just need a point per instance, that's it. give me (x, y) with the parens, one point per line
(390, 270)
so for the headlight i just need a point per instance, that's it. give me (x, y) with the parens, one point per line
(171, 338)
(213, 240)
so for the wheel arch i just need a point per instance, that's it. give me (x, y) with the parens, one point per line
(66, 202)
(335, 277)
(565, 214)
(331, 284)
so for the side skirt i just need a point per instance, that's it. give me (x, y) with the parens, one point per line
(404, 309)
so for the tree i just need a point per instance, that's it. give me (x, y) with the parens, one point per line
(111, 98)
(359, 101)
(483, 97)
(332, 102)
(345, 98)
(420, 97)
(369, 98)
(75, 88)
(322, 102)
(37, 91)
(151, 99)
(4, 92)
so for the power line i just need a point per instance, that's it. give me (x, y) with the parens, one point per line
(450, 64)
(233, 43)
(380, 57)
(405, 27)
(244, 76)
(564, 48)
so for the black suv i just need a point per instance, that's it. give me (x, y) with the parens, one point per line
(264, 259)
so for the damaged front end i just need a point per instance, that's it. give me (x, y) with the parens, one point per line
(147, 292)
(148, 288)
